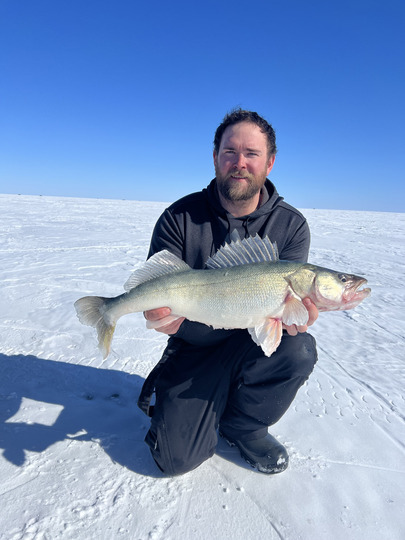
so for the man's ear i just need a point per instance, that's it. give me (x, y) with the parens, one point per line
(270, 164)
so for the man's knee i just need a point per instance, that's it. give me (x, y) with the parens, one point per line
(300, 352)
(175, 456)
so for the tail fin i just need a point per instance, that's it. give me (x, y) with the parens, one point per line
(91, 311)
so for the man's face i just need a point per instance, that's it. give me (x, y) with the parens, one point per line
(242, 163)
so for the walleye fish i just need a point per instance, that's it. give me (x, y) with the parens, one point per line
(245, 285)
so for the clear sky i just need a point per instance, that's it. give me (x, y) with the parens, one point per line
(121, 98)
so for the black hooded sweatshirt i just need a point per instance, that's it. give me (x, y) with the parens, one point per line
(196, 226)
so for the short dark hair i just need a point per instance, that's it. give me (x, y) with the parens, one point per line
(240, 115)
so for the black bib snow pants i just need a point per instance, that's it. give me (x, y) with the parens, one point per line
(232, 385)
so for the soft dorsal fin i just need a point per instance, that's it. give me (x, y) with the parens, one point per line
(159, 264)
(249, 250)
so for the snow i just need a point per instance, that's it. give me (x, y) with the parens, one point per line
(73, 462)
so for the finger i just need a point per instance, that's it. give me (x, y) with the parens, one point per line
(291, 329)
(156, 314)
(171, 328)
(165, 321)
(302, 329)
(312, 311)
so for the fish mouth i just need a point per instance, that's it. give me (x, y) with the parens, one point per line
(354, 294)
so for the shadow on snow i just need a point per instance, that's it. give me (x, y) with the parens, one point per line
(92, 405)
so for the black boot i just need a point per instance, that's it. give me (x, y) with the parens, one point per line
(267, 455)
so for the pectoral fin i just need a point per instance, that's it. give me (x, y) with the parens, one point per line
(267, 335)
(294, 311)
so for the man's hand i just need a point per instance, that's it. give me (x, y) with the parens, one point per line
(313, 313)
(158, 314)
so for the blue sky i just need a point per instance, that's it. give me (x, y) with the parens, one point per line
(121, 99)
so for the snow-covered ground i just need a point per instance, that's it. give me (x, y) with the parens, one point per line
(73, 462)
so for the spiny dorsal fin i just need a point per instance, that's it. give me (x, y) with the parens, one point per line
(160, 264)
(249, 250)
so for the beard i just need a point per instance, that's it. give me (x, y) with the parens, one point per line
(233, 190)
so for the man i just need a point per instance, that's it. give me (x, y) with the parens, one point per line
(209, 379)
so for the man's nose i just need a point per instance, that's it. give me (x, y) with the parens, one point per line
(240, 161)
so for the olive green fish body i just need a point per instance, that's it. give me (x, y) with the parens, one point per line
(244, 286)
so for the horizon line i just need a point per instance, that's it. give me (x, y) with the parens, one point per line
(171, 202)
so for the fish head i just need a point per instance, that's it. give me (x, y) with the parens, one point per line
(334, 291)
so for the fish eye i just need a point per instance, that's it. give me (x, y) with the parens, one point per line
(342, 277)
